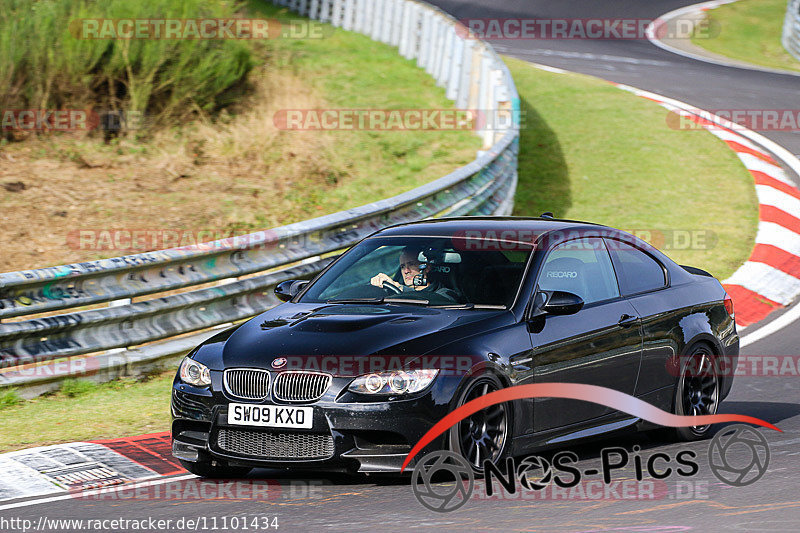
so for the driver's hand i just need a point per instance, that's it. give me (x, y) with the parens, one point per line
(382, 278)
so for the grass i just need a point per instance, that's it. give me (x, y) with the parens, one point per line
(234, 172)
(750, 31)
(589, 151)
(56, 67)
(84, 410)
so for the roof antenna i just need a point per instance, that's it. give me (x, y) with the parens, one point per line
(547, 214)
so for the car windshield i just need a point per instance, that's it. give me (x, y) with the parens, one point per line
(431, 271)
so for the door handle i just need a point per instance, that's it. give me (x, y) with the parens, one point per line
(627, 320)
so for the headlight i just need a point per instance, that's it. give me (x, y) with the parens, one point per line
(400, 382)
(194, 373)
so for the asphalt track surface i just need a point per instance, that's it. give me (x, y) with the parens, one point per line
(337, 502)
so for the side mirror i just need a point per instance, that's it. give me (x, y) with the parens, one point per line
(286, 290)
(557, 303)
(563, 303)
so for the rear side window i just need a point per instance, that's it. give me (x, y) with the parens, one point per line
(636, 270)
(582, 267)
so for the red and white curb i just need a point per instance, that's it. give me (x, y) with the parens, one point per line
(73, 468)
(770, 278)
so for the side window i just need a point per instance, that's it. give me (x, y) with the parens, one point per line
(582, 267)
(636, 271)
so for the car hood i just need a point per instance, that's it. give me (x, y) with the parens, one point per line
(311, 330)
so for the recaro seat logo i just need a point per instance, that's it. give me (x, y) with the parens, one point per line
(562, 274)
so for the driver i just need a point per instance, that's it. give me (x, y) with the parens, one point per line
(410, 269)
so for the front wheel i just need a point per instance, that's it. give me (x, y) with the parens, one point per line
(215, 471)
(485, 434)
(697, 391)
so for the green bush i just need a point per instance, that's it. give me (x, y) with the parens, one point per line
(45, 65)
(9, 398)
(72, 388)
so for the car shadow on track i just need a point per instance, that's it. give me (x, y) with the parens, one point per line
(544, 183)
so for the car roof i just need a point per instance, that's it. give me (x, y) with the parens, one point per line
(455, 225)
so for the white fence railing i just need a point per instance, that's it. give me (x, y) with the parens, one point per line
(791, 28)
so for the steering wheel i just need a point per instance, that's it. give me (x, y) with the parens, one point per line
(391, 289)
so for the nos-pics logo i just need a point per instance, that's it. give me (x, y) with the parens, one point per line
(444, 481)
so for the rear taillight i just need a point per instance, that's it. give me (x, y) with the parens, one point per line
(729, 305)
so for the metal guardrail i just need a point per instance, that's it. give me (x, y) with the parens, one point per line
(474, 78)
(791, 29)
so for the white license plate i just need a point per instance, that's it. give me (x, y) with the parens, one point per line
(272, 416)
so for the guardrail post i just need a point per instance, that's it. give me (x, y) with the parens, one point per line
(348, 15)
(441, 73)
(313, 10)
(504, 115)
(396, 21)
(324, 10)
(358, 16)
(454, 72)
(441, 48)
(336, 13)
(366, 22)
(430, 60)
(424, 39)
(465, 72)
(485, 103)
(413, 33)
(791, 29)
(474, 79)
(385, 21)
(378, 14)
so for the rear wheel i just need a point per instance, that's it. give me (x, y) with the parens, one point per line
(485, 434)
(218, 470)
(697, 391)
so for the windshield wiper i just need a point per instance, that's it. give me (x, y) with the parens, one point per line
(468, 305)
(415, 301)
(356, 301)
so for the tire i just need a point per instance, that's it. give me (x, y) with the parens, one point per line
(218, 471)
(487, 433)
(697, 392)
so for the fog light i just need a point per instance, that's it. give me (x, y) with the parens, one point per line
(185, 451)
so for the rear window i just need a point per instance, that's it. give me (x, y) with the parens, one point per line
(636, 271)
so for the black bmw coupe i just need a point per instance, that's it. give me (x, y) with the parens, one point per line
(420, 318)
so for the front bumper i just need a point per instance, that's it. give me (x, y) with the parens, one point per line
(347, 434)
